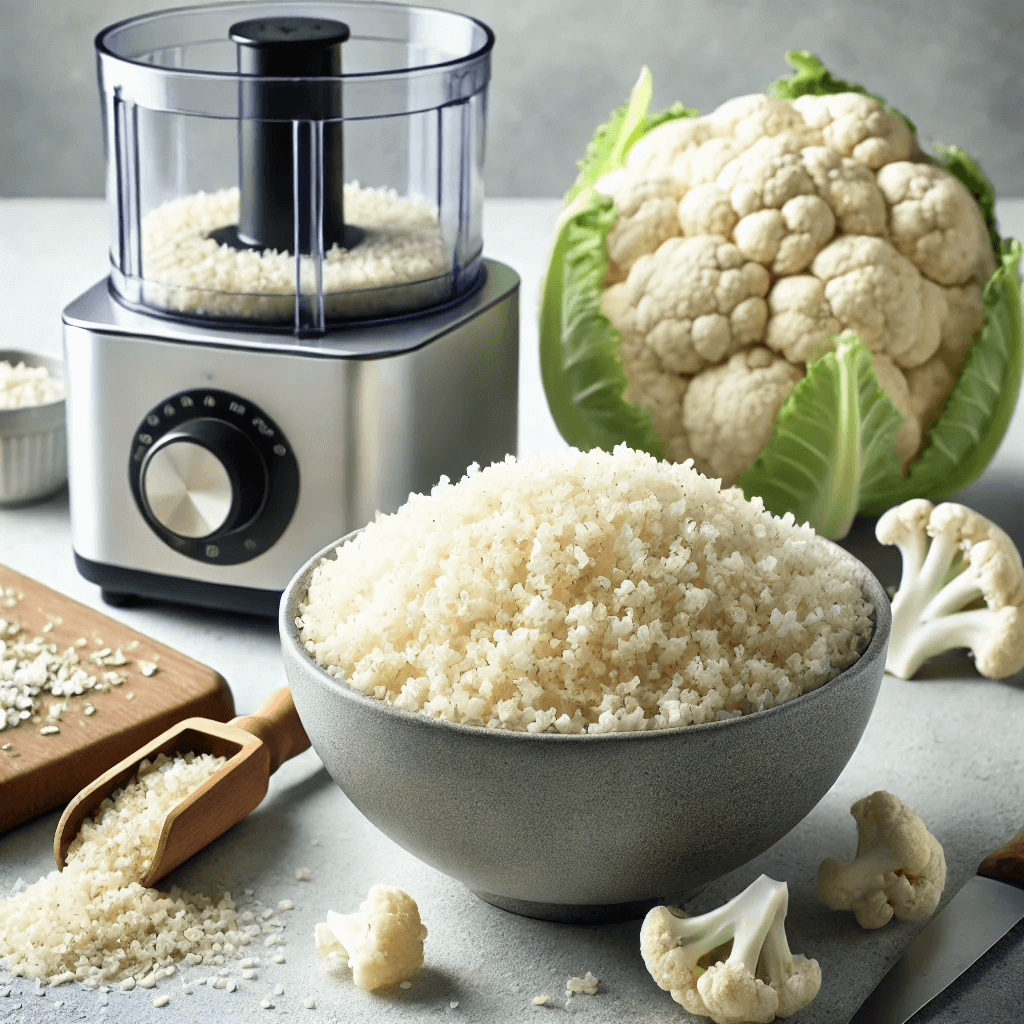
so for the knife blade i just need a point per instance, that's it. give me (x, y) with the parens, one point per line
(977, 917)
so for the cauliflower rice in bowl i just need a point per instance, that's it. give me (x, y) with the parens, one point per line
(585, 593)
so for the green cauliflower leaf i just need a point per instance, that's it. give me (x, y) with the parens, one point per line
(811, 77)
(832, 443)
(580, 349)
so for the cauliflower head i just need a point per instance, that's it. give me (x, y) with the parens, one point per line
(781, 223)
(786, 221)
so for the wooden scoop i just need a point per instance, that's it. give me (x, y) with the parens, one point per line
(255, 747)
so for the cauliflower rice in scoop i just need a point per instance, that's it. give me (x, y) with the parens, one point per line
(585, 593)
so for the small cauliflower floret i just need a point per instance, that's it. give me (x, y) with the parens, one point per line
(729, 410)
(895, 385)
(965, 313)
(587, 984)
(693, 302)
(930, 386)
(850, 190)
(706, 210)
(660, 392)
(899, 869)
(648, 214)
(734, 963)
(855, 125)
(757, 116)
(936, 223)
(766, 175)
(683, 150)
(786, 240)
(383, 940)
(880, 294)
(962, 586)
(800, 321)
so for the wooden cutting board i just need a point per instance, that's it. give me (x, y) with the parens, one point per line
(146, 687)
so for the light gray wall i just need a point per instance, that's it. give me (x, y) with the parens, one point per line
(953, 66)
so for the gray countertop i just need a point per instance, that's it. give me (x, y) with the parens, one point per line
(948, 743)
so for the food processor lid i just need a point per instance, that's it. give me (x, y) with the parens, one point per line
(183, 60)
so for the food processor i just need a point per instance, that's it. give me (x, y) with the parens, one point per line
(299, 328)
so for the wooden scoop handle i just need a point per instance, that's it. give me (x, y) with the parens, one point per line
(276, 723)
(1007, 863)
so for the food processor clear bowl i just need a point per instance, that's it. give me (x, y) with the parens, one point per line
(295, 164)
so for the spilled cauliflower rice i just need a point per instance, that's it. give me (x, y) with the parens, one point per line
(585, 593)
(94, 921)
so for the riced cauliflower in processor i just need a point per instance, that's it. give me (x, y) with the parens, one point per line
(585, 593)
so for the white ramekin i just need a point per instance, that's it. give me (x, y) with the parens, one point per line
(33, 443)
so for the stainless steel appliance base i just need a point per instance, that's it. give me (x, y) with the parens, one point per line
(126, 588)
(206, 464)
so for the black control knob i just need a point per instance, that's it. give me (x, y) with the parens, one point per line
(214, 476)
(204, 478)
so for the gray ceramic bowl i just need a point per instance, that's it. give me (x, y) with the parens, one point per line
(33, 444)
(583, 828)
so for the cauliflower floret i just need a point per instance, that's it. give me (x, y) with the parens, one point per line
(880, 294)
(383, 941)
(965, 314)
(648, 214)
(850, 189)
(655, 389)
(800, 320)
(936, 223)
(692, 151)
(732, 964)
(930, 385)
(706, 210)
(747, 119)
(786, 240)
(587, 984)
(954, 559)
(899, 869)
(729, 411)
(693, 302)
(670, 150)
(895, 385)
(855, 125)
(766, 175)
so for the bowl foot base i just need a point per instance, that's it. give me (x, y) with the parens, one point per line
(581, 913)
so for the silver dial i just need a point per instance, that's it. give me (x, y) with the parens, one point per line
(213, 476)
(188, 489)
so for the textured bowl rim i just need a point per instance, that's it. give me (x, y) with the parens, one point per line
(875, 650)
